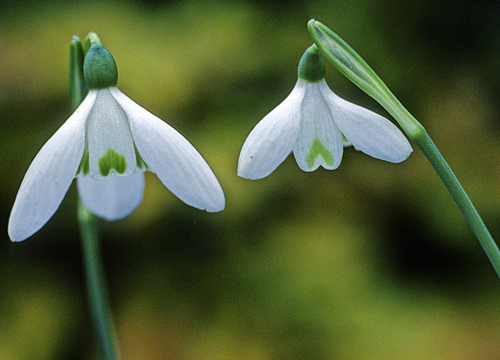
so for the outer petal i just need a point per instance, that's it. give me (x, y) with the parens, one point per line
(50, 175)
(174, 160)
(114, 197)
(273, 138)
(320, 140)
(367, 131)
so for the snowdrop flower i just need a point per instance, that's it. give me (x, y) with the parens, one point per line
(108, 143)
(316, 124)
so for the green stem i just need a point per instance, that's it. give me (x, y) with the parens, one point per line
(96, 285)
(350, 63)
(456, 190)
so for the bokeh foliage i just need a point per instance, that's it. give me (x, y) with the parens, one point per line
(370, 261)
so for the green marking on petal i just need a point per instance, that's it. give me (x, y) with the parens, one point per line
(84, 167)
(318, 149)
(112, 160)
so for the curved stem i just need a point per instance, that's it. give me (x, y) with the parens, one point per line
(456, 190)
(352, 65)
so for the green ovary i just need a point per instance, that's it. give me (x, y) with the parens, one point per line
(112, 160)
(318, 149)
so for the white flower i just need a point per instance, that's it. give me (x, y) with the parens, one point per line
(108, 143)
(310, 122)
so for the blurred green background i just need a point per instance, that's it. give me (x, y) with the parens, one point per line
(370, 261)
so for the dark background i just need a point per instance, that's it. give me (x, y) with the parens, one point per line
(370, 261)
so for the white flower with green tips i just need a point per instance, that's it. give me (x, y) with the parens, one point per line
(315, 124)
(108, 143)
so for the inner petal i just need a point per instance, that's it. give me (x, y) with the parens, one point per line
(320, 141)
(110, 144)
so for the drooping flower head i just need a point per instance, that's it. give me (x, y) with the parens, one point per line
(108, 143)
(315, 124)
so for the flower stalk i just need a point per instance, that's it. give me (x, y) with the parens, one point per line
(349, 63)
(96, 284)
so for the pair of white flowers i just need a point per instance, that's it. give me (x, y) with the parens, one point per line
(110, 141)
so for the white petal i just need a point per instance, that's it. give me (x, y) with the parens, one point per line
(367, 131)
(109, 138)
(273, 138)
(320, 141)
(174, 160)
(50, 175)
(114, 197)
